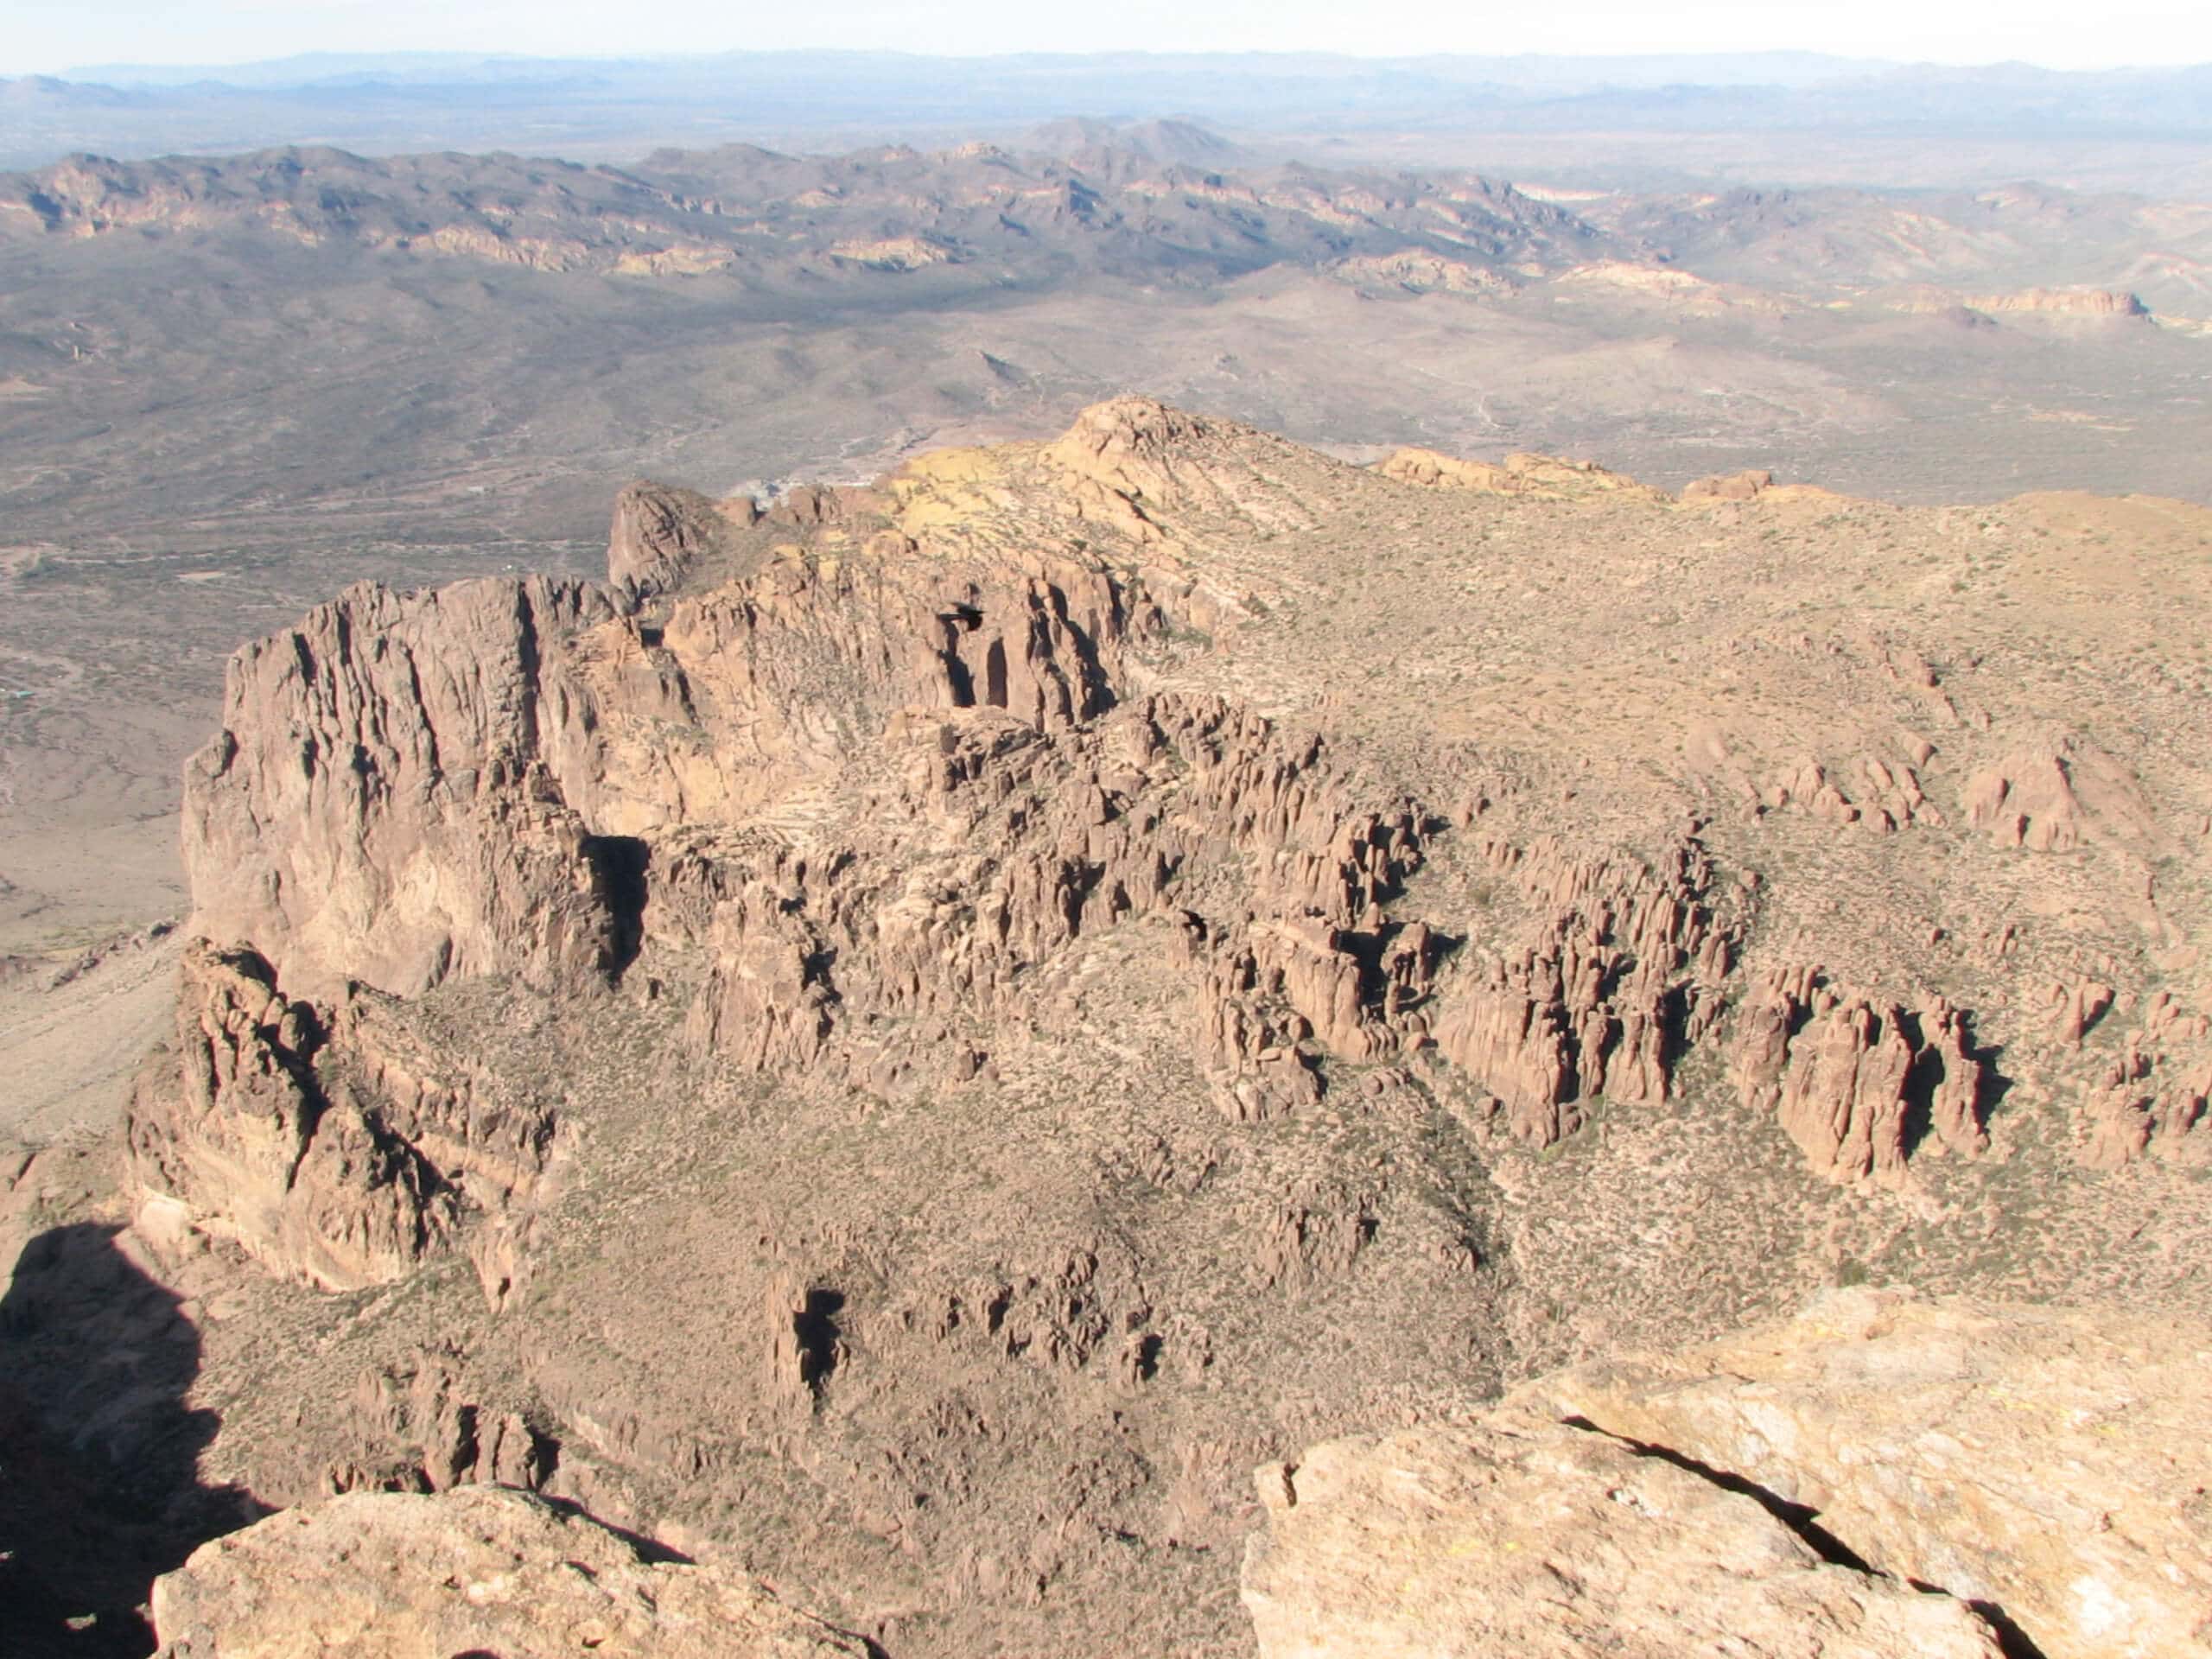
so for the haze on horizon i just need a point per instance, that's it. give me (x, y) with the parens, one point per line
(58, 36)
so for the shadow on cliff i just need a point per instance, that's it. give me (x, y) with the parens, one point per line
(99, 1482)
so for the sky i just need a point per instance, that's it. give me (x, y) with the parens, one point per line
(49, 37)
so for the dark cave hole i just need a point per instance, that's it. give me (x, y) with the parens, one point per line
(820, 1341)
(618, 866)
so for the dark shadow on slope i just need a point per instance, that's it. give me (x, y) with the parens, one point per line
(618, 865)
(820, 1341)
(1804, 1521)
(99, 1480)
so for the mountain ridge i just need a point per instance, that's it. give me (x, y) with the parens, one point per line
(1092, 962)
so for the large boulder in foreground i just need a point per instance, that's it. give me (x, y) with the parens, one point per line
(1544, 1541)
(2054, 1463)
(477, 1570)
(1882, 1475)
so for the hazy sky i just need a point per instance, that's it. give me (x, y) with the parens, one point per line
(48, 35)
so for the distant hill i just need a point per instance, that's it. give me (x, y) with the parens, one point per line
(616, 108)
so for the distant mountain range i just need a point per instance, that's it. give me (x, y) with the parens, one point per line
(619, 107)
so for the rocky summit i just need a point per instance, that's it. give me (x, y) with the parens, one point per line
(904, 1042)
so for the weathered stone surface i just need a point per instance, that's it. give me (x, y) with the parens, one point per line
(1523, 472)
(2051, 1462)
(2048, 796)
(1510, 1538)
(902, 1038)
(1731, 487)
(2155, 1095)
(481, 1569)
(383, 803)
(323, 1139)
(659, 531)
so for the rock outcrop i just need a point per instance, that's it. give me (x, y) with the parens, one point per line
(1523, 473)
(659, 533)
(847, 795)
(1859, 1085)
(2063, 303)
(2155, 1095)
(967, 1011)
(1531, 1538)
(2049, 796)
(1882, 1475)
(2049, 1463)
(1626, 968)
(481, 1569)
(324, 1139)
(1729, 486)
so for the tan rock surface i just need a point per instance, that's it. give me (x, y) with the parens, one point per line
(478, 1569)
(1504, 1539)
(2052, 1462)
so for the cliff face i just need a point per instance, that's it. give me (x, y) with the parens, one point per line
(999, 997)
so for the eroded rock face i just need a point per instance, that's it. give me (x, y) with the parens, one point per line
(1729, 486)
(1523, 472)
(384, 803)
(2048, 796)
(1529, 1537)
(1859, 1086)
(1626, 970)
(659, 532)
(2152, 1097)
(850, 795)
(2049, 1462)
(481, 1569)
(895, 1027)
(324, 1139)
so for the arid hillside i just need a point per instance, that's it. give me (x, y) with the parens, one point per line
(229, 387)
(912, 1034)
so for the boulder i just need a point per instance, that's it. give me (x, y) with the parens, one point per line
(2049, 1463)
(1544, 1541)
(478, 1570)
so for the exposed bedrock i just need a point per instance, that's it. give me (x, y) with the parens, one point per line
(481, 1570)
(1885, 1474)
(941, 1011)
(2049, 1464)
(1859, 1085)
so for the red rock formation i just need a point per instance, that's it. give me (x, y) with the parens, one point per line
(1847, 1076)
(2156, 1096)
(1626, 965)
(2049, 796)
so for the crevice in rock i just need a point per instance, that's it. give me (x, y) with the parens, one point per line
(814, 1328)
(1797, 1518)
(2012, 1641)
(1804, 1522)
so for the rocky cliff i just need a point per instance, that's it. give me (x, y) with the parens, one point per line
(961, 1014)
